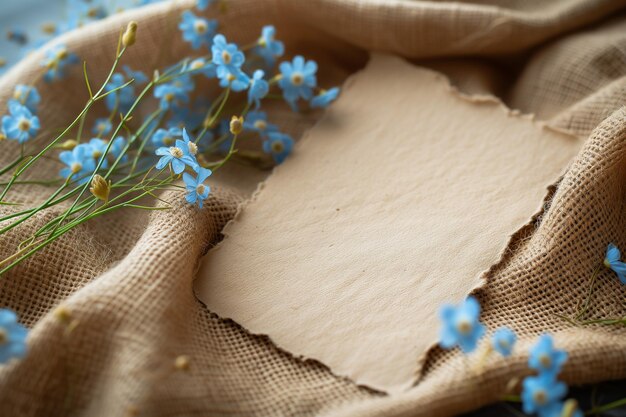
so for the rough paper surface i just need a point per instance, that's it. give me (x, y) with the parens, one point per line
(396, 202)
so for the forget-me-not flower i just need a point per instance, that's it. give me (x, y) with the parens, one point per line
(166, 137)
(138, 76)
(197, 30)
(229, 59)
(279, 145)
(202, 66)
(12, 336)
(176, 157)
(324, 98)
(196, 190)
(56, 60)
(540, 393)
(80, 163)
(120, 99)
(545, 358)
(256, 121)
(297, 80)
(613, 262)
(461, 326)
(268, 47)
(97, 149)
(174, 93)
(102, 126)
(503, 341)
(203, 4)
(28, 96)
(258, 88)
(20, 124)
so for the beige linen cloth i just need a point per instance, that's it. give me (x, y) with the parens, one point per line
(127, 279)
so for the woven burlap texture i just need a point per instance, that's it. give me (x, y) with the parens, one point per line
(127, 278)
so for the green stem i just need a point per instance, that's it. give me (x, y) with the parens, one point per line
(607, 407)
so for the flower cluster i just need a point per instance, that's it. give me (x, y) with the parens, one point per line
(542, 394)
(82, 160)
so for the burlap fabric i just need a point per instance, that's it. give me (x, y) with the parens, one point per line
(127, 279)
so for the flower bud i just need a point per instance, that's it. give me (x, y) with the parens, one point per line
(569, 408)
(100, 188)
(63, 314)
(236, 125)
(129, 37)
(68, 145)
(2, 136)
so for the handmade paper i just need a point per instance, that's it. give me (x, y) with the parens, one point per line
(398, 201)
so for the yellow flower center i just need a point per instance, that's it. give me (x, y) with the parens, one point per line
(200, 189)
(260, 124)
(297, 79)
(230, 77)
(176, 152)
(193, 148)
(464, 326)
(62, 54)
(545, 361)
(169, 97)
(607, 263)
(200, 26)
(17, 95)
(540, 397)
(504, 344)
(168, 140)
(24, 125)
(226, 57)
(4, 337)
(96, 154)
(277, 146)
(76, 167)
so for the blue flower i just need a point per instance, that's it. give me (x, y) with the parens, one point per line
(166, 137)
(229, 59)
(196, 190)
(138, 76)
(326, 97)
(279, 145)
(544, 358)
(117, 147)
(97, 149)
(258, 88)
(197, 30)
(540, 393)
(503, 341)
(269, 48)
(56, 60)
(27, 96)
(612, 261)
(102, 127)
(461, 326)
(80, 164)
(203, 4)
(297, 80)
(12, 336)
(121, 99)
(176, 157)
(257, 121)
(184, 117)
(187, 145)
(175, 93)
(19, 124)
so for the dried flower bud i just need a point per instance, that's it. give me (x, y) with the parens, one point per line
(68, 145)
(236, 125)
(100, 188)
(182, 363)
(2, 136)
(3, 62)
(129, 37)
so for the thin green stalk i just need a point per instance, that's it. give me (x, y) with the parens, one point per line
(606, 407)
